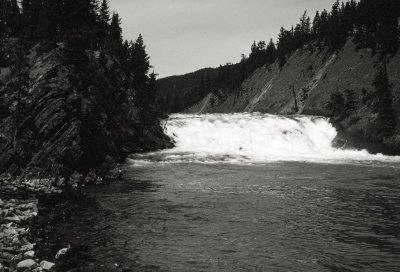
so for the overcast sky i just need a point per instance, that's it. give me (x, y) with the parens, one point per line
(185, 35)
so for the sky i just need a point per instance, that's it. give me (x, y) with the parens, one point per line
(182, 36)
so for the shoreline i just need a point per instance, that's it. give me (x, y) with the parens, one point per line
(25, 222)
(18, 209)
(28, 207)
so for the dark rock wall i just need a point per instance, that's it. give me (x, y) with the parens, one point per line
(69, 121)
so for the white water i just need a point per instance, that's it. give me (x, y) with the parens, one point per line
(253, 138)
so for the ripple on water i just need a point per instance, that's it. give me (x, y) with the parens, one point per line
(276, 217)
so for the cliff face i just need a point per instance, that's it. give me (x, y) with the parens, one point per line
(63, 121)
(308, 79)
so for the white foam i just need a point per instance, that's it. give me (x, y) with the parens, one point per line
(252, 138)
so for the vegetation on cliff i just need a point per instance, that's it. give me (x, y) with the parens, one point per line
(74, 96)
(372, 24)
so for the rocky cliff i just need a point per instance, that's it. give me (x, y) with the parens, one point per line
(60, 121)
(304, 85)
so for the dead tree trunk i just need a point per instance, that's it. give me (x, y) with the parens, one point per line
(296, 106)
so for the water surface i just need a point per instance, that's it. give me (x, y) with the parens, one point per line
(276, 217)
(244, 192)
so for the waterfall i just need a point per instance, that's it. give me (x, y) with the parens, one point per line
(253, 138)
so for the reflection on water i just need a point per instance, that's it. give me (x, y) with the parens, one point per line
(276, 217)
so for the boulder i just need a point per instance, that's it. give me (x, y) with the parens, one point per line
(8, 232)
(46, 265)
(28, 206)
(62, 252)
(15, 241)
(4, 212)
(13, 219)
(10, 225)
(6, 255)
(27, 247)
(29, 254)
(26, 264)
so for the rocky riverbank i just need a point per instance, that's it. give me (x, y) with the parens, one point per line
(18, 209)
(29, 210)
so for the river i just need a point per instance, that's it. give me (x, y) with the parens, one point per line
(244, 192)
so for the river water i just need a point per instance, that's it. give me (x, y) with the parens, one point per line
(244, 193)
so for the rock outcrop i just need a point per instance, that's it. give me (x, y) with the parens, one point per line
(68, 122)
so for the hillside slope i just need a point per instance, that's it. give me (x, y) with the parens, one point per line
(271, 89)
(175, 93)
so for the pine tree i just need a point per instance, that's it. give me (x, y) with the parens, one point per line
(334, 38)
(350, 104)
(50, 26)
(270, 52)
(151, 94)
(323, 27)
(115, 29)
(285, 44)
(104, 20)
(383, 103)
(9, 18)
(377, 25)
(387, 34)
(114, 44)
(78, 29)
(31, 14)
(31, 11)
(257, 56)
(80, 19)
(104, 15)
(19, 86)
(243, 58)
(253, 49)
(316, 24)
(336, 105)
(10, 26)
(140, 64)
(125, 55)
(261, 46)
(302, 32)
(349, 17)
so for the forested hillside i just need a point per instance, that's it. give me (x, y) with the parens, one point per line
(176, 93)
(74, 96)
(371, 24)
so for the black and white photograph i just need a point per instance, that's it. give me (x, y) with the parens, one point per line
(200, 135)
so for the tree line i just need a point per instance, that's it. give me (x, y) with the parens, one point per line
(373, 24)
(80, 25)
